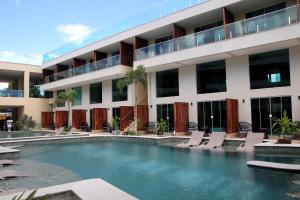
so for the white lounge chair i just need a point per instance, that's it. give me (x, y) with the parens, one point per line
(195, 140)
(216, 140)
(58, 132)
(251, 140)
(4, 163)
(72, 131)
(7, 174)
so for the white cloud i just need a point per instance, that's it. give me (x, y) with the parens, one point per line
(10, 56)
(74, 32)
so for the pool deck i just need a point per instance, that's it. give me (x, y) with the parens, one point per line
(85, 190)
(272, 148)
(274, 166)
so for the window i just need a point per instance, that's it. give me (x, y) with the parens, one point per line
(165, 45)
(212, 116)
(271, 69)
(115, 58)
(78, 98)
(165, 112)
(263, 110)
(118, 95)
(209, 36)
(60, 104)
(211, 77)
(265, 10)
(96, 93)
(167, 83)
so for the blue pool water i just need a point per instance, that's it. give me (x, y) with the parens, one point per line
(149, 171)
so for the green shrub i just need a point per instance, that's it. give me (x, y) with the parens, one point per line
(25, 123)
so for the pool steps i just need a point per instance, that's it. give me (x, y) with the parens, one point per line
(274, 166)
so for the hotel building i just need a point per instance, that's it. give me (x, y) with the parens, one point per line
(23, 94)
(215, 63)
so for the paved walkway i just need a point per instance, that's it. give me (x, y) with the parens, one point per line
(85, 190)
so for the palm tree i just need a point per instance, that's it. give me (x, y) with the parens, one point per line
(68, 97)
(134, 77)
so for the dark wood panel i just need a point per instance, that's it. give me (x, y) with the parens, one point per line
(47, 118)
(126, 116)
(232, 115)
(61, 68)
(99, 118)
(46, 73)
(78, 118)
(78, 62)
(181, 116)
(178, 31)
(61, 118)
(126, 53)
(99, 56)
(228, 18)
(140, 43)
(142, 116)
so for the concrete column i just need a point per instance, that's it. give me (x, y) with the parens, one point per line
(26, 84)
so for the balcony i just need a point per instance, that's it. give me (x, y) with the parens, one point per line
(106, 69)
(11, 93)
(271, 21)
(87, 68)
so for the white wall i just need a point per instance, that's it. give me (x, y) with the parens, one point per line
(238, 87)
(106, 100)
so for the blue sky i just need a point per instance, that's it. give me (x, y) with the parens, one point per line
(30, 28)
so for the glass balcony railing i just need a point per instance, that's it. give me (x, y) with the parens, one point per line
(273, 20)
(161, 9)
(87, 68)
(11, 93)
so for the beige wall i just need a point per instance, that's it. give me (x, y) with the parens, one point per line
(30, 106)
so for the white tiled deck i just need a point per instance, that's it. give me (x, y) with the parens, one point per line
(85, 190)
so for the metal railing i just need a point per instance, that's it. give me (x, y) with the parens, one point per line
(156, 11)
(269, 21)
(87, 68)
(11, 93)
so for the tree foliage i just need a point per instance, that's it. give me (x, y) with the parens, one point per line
(25, 123)
(135, 76)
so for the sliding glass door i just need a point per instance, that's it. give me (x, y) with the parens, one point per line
(212, 116)
(264, 110)
(166, 112)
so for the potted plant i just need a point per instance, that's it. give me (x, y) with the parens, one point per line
(115, 125)
(161, 127)
(285, 127)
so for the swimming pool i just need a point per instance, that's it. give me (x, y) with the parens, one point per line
(151, 171)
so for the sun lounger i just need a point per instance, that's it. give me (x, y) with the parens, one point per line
(4, 163)
(195, 140)
(216, 140)
(251, 140)
(72, 131)
(58, 132)
(7, 174)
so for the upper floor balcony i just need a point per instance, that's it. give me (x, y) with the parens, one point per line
(12, 93)
(87, 68)
(216, 41)
(105, 69)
